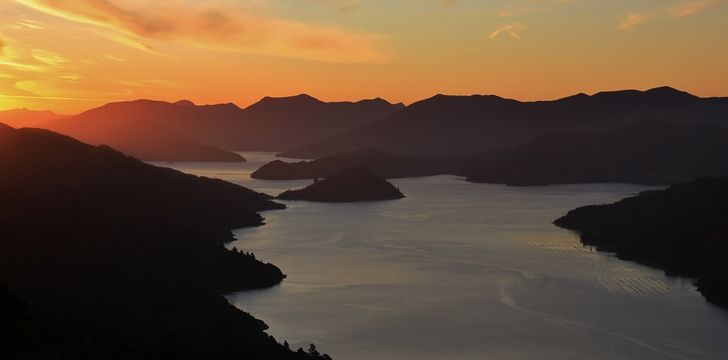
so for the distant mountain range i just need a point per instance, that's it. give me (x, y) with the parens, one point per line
(19, 118)
(182, 131)
(146, 129)
(460, 125)
(650, 153)
(278, 124)
(301, 126)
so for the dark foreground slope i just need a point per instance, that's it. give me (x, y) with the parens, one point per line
(384, 164)
(349, 185)
(111, 258)
(681, 230)
(651, 153)
(146, 129)
(445, 126)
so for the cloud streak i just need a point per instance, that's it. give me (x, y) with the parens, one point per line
(694, 7)
(62, 98)
(691, 8)
(220, 28)
(513, 30)
(631, 21)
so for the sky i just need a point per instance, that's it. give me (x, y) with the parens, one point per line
(71, 55)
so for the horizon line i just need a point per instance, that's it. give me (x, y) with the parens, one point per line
(103, 102)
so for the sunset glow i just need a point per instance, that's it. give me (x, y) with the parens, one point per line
(70, 55)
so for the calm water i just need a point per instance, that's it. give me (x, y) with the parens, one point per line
(463, 271)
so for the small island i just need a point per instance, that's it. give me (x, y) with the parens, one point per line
(681, 230)
(384, 164)
(350, 185)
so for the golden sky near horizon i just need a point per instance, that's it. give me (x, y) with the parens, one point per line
(70, 55)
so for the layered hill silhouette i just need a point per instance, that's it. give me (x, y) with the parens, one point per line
(681, 230)
(650, 153)
(103, 256)
(19, 118)
(278, 124)
(461, 125)
(146, 129)
(381, 163)
(349, 185)
(183, 131)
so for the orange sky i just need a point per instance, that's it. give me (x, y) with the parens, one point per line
(69, 55)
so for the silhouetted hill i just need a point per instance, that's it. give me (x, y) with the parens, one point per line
(215, 114)
(183, 131)
(646, 153)
(383, 164)
(649, 152)
(278, 124)
(681, 230)
(148, 130)
(112, 258)
(349, 185)
(460, 125)
(19, 118)
(186, 103)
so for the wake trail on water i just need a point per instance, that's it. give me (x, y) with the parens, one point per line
(507, 299)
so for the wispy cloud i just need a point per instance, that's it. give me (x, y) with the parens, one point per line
(49, 57)
(61, 98)
(131, 42)
(31, 24)
(220, 28)
(694, 7)
(632, 20)
(513, 30)
(114, 58)
(20, 66)
(34, 73)
(686, 9)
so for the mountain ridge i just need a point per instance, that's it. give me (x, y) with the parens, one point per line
(280, 123)
(147, 129)
(445, 125)
(23, 117)
(649, 153)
